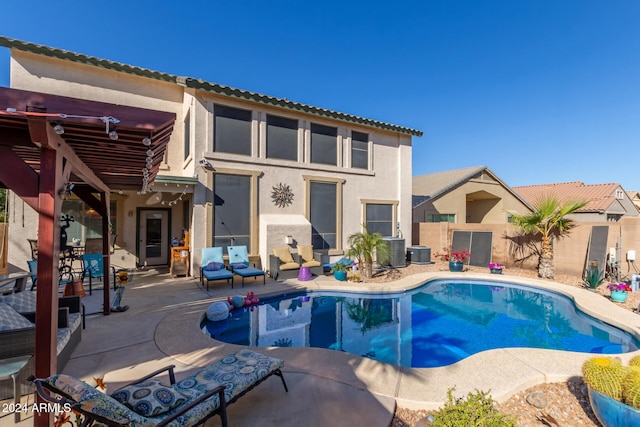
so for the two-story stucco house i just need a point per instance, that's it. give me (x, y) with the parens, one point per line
(240, 168)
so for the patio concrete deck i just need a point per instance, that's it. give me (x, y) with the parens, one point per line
(325, 387)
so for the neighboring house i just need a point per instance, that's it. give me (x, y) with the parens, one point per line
(471, 195)
(606, 202)
(240, 168)
(634, 195)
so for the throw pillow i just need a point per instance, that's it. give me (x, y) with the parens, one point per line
(238, 266)
(306, 252)
(214, 266)
(283, 254)
(149, 398)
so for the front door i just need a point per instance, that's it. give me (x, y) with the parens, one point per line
(153, 226)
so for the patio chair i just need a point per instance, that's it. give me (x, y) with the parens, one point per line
(188, 402)
(239, 264)
(281, 264)
(93, 267)
(348, 263)
(212, 267)
(307, 258)
(33, 269)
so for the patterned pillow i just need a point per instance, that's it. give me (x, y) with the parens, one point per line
(214, 266)
(149, 398)
(11, 319)
(95, 401)
(238, 266)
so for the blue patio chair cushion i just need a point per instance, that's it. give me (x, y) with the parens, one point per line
(149, 398)
(239, 262)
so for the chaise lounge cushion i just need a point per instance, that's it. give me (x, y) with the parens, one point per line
(239, 372)
(149, 398)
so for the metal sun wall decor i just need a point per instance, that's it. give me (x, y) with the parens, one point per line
(282, 195)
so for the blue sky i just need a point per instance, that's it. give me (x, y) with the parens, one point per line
(539, 91)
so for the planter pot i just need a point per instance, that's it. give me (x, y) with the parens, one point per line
(496, 270)
(618, 296)
(611, 412)
(340, 275)
(456, 266)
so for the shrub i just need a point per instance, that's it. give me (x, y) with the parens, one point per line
(477, 410)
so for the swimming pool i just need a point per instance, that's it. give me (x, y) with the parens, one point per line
(437, 324)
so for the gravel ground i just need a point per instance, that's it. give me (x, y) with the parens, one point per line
(567, 404)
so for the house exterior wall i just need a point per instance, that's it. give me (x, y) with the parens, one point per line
(388, 179)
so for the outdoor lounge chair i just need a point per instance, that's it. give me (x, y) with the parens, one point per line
(239, 264)
(212, 267)
(307, 258)
(185, 403)
(281, 264)
(348, 263)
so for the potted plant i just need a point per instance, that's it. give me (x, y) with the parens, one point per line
(495, 268)
(339, 271)
(456, 259)
(619, 291)
(614, 390)
(593, 277)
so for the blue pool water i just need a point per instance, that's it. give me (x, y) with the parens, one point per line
(437, 324)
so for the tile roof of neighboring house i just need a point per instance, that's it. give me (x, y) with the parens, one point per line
(200, 84)
(433, 185)
(600, 197)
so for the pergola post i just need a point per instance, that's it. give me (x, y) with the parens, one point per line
(48, 262)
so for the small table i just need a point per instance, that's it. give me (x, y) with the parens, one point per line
(10, 369)
(304, 274)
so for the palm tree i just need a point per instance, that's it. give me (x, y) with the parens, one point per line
(363, 247)
(548, 220)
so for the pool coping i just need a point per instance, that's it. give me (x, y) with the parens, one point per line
(502, 372)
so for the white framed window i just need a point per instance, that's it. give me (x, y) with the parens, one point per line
(619, 194)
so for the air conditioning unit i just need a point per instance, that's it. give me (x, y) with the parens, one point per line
(396, 251)
(419, 255)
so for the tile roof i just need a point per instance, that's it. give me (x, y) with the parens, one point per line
(600, 197)
(200, 84)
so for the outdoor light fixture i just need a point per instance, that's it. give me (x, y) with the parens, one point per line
(58, 129)
(113, 134)
(146, 142)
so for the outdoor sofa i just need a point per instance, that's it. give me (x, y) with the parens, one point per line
(18, 331)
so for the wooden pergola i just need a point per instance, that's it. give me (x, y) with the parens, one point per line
(51, 145)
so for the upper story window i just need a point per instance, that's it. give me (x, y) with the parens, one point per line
(359, 150)
(187, 136)
(619, 194)
(282, 138)
(232, 130)
(324, 147)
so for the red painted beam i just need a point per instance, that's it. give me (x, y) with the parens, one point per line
(19, 177)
